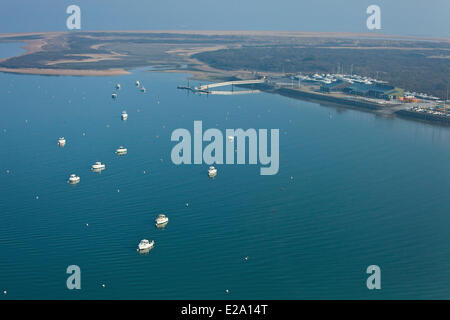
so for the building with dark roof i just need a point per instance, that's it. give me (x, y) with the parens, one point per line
(379, 91)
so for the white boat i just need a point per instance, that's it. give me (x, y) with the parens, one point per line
(230, 138)
(145, 244)
(118, 86)
(138, 83)
(161, 219)
(98, 166)
(121, 150)
(74, 179)
(114, 95)
(124, 115)
(142, 89)
(61, 142)
(212, 172)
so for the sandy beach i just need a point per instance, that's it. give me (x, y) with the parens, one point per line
(66, 72)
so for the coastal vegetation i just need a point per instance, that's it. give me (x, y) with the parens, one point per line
(421, 70)
(420, 65)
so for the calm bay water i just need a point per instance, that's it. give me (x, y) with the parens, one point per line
(365, 190)
(10, 49)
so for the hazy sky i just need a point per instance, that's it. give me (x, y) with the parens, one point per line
(402, 17)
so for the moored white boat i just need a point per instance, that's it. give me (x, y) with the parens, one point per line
(162, 219)
(124, 115)
(145, 244)
(74, 179)
(212, 172)
(98, 166)
(61, 142)
(121, 150)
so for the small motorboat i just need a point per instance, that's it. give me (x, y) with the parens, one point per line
(162, 219)
(121, 150)
(212, 172)
(118, 86)
(61, 142)
(230, 138)
(143, 89)
(124, 115)
(145, 245)
(73, 179)
(98, 166)
(114, 95)
(138, 83)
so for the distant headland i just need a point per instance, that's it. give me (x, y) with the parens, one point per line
(416, 63)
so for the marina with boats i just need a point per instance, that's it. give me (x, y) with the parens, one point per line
(353, 91)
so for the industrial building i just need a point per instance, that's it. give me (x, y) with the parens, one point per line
(373, 90)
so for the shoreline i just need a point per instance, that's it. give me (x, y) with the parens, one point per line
(424, 117)
(182, 54)
(65, 72)
(200, 70)
(357, 104)
(215, 75)
(363, 106)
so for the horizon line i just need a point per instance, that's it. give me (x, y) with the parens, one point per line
(243, 32)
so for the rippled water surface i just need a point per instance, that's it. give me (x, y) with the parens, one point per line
(353, 190)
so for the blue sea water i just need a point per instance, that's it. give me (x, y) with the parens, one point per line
(353, 190)
(9, 49)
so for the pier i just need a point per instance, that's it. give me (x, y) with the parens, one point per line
(206, 87)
